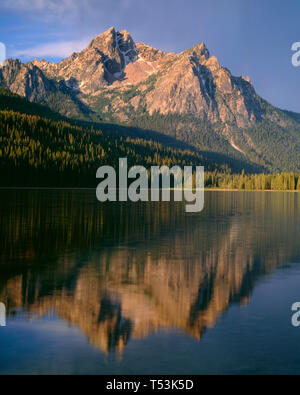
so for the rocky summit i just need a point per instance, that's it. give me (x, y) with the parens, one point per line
(188, 95)
(189, 82)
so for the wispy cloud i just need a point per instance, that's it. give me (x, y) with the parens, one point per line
(54, 49)
(55, 6)
(63, 8)
(65, 24)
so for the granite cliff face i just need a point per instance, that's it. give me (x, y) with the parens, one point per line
(187, 95)
(30, 81)
(189, 82)
(99, 65)
(185, 83)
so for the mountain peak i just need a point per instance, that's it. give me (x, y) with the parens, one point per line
(115, 79)
(107, 37)
(116, 45)
(199, 51)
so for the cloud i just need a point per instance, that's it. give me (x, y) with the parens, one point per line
(65, 8)
(59, 49)
(66, 25)
(55, 6)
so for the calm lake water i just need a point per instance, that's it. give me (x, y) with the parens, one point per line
(144, 288)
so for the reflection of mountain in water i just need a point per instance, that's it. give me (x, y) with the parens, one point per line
(127, 270)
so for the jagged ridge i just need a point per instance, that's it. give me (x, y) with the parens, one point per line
(188, 95)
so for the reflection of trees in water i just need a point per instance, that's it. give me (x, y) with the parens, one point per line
(127, 270)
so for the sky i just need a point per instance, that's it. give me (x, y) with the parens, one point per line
(250, 37)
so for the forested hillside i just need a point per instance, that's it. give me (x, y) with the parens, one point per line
(40, 151)
(39, 147)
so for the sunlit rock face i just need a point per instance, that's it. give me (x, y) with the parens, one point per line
(187, 95)
(99, 65)
(188, 82)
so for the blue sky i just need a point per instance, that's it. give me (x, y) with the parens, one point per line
(250, 37)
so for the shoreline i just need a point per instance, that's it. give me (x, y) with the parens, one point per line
(249, 190)
(205, 189)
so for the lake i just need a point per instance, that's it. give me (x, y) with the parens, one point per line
(145, 288)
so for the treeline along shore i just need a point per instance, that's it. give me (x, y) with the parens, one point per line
(38, 149)
(253, 182)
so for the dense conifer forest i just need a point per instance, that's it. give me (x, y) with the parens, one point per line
(40, 148)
